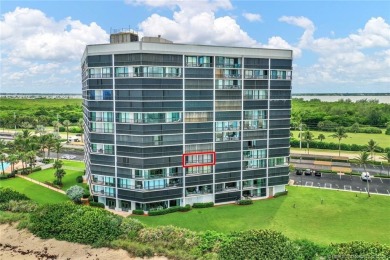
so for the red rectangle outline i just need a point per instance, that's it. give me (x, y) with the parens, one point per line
(200, 164)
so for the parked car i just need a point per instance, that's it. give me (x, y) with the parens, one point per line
(73, 139)
(318, 173)
(365, 176)
(308, 172)
(298, 172)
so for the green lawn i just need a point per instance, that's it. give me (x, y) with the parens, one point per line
(34, 191)
(342, 217)
(68, 180)
(359, 138)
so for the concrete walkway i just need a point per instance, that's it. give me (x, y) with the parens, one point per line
(40, 183)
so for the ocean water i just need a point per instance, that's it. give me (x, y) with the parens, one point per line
(331, 98)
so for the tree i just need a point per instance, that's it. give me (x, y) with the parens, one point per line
(362, 158)
(40, 129)
(66, 123)
(75, 193)
(57, 148)
(12, 159)
(355, 127)
(321, 137)
(386, 157)
(56, 125)
(59, 174)
(3, 157)
(80, 123)
(371, 147)
(26, 125)
(50, 143)
(339, 134)
(307, 137)
(31, 155)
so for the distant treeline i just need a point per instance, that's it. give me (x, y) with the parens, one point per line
(365, 115)
(38, 111)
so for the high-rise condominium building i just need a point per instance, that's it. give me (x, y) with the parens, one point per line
(172, 124)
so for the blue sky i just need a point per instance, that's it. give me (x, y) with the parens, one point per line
(339, 46)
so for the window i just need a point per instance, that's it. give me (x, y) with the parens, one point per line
(191, 61)
(277, 161)
(256, 74)
(255, 94)
(255, 114)
(259, 153)
(198, 116)
(280, 74)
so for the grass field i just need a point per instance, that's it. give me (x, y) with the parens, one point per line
(34, 191)
(359, 138)
(33, 104)
(72, 169)
(342, 216)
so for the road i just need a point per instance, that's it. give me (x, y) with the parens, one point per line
(343, 182)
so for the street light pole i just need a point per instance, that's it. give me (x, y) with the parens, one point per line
(300, 142)
(15, 121)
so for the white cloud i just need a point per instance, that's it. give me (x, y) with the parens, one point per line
(195, 22)
(252, 17)
(37, 47)
(345, 61)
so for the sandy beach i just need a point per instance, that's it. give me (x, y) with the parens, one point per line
(21, 244)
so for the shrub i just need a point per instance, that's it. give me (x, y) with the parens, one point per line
(309, 250)
(138, 212)
(75, 223)
(19, 206)
(169, 210)
(258, 244)
(7, 194)
(86, 194)
(360, 250)
(79, 179)
(57, 183)
(36, 169)
(3, 177)
(11, 175)
(96, 204)
(53, 184)
(170, 237)
(203, 205)
(245, 202)
(131, 226)
(282, 193)
(210, 241)
(75, 193)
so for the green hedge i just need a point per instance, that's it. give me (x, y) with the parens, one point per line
(75, 223)
(169, 210)
(258, 244)
(245, 202)
(96, 204)
(335, 146)
(282, 193)
(203, 205)
(7, 194)
(138, 212)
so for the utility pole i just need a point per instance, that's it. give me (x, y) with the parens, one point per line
(15, 121)
(300, 141)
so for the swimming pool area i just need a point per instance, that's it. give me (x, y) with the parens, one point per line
(5, 165)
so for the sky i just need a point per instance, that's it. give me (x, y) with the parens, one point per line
(338, 46)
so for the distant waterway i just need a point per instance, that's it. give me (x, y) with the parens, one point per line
(332, 98)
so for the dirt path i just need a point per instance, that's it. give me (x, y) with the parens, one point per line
(21, 244)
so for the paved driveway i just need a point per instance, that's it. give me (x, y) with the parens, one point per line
(343, 182)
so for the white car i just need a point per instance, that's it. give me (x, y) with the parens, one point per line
(365, 176)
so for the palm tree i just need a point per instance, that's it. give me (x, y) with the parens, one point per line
(371, 147)
(3, 157)
(59, 174)
(50, 143)
(12, 159)
(307, 137)
(57, 148)
(40, 129)
(80, 124)
(26, 125)
(362, 158)
(321, 137)
(386, 157)
(339, 134)
(31, 155)
(66, 123)
(56, 125)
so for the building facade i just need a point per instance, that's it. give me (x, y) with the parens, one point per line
(173, 124)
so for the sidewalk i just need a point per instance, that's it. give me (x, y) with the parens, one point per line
(40, 183)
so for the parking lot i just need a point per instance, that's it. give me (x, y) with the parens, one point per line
(343, 182)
